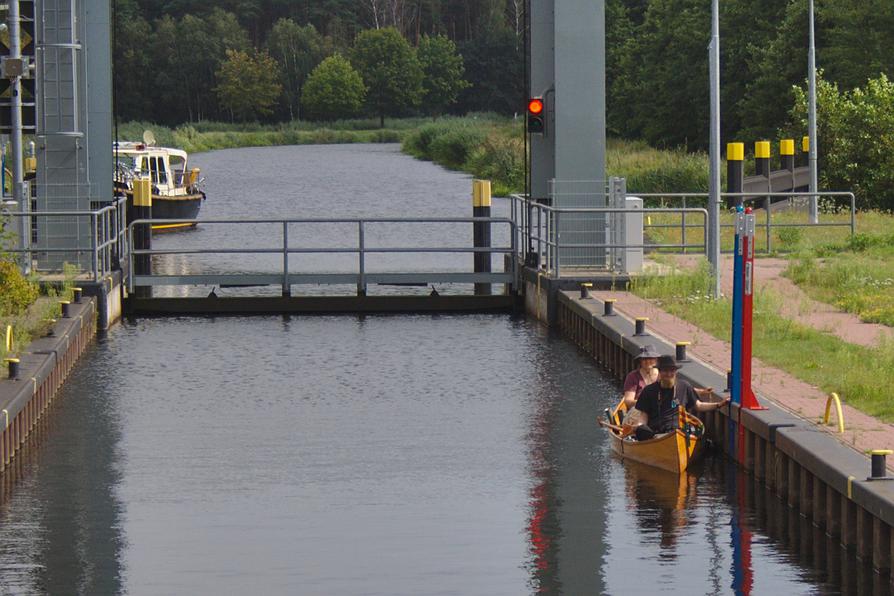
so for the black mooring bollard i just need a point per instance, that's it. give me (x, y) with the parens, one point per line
(65, 308)
(77, 292)
(481, 232)
(608, 308)
(140, 207)
(735, 171)
(681, 351)
(585, 290)
(52, 330)
(13, 364)
(878, 469)
(641, 326)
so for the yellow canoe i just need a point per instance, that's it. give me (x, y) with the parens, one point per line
(669, 451)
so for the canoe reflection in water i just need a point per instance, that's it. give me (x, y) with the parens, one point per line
(662, 501)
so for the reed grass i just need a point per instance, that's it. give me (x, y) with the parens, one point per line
(860, 375)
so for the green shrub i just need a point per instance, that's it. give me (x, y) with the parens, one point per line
(16, 292)
(453, 148)
(418, 143)
(501, 159)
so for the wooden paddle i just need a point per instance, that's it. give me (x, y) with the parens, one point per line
(618, 429)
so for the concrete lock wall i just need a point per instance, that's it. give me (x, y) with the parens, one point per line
(822, 479)
(43, 367)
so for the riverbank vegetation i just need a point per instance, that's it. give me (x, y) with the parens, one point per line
(185, 61)
(209, 136)
(853, 372)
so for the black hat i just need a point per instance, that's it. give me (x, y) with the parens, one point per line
(667, 361)
(647, 351)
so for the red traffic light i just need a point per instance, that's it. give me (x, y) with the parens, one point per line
(535, 106)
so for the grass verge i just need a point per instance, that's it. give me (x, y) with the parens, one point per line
(860, 375)
(856, 275)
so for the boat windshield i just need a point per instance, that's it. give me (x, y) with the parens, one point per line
(178, 166)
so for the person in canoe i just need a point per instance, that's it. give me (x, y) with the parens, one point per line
(644, 374)
(661, 401)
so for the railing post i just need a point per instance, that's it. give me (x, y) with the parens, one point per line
(513, 228)
(557, 253)
(286, 286)
(94, 244)
(361, 256)
(853, 215)
(683, 219)
(129, 235)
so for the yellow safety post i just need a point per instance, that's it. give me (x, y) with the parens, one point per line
(9, 338)
(834, 397)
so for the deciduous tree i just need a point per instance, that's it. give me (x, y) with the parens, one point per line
(247, 84)
(390, 71)
(443, 71)
(297, 50)
(333, 90)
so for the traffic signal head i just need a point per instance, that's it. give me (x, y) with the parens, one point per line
(536, 115)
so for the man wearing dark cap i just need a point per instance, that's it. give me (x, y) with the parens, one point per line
(661, 400)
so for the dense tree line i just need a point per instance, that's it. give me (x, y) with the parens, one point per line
(176, 60)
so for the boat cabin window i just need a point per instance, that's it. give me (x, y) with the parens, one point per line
(178, 165)
(157, 167)
(126, 162)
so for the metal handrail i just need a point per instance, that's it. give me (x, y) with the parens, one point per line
(765, 197)
(361, 249)
(549, 245)
(106, 237)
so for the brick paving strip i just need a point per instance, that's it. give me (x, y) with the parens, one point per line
(862, 432)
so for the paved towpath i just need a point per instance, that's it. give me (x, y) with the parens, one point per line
(863, 432)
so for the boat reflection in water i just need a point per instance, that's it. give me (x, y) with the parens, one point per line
(662, 501)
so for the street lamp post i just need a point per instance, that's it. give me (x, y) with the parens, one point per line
(713, 239)
(811, 118)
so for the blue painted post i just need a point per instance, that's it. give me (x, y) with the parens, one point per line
(736, 331)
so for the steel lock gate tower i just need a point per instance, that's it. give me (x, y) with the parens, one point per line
(74, 122)
(567, 70)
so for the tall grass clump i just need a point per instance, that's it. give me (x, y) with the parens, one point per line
(652, 170)
(500, 158)
(453, 148)
(484, 145)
